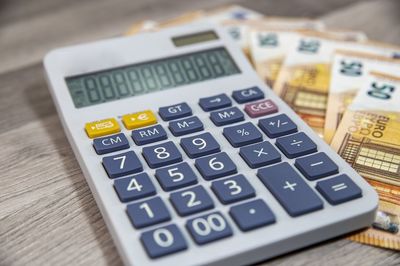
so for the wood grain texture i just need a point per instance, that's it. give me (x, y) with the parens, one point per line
(47, 213)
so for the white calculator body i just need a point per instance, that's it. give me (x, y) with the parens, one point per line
(193, 160)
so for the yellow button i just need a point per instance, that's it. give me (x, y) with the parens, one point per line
(103, 127)
(140, 119)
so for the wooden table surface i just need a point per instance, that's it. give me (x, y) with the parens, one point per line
(47, 213)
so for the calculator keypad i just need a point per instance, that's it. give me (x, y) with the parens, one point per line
(186, 126)
(163, 241)
(189, 198)
(243, 134)
(111, 143)
(290, 189)
(215, 166)
(296, 145)
(176, 111)
(252, 215)
(149, 135)
(134, 187)
(233, 189)
(226, 116)
(248, 95)
(209, 228)
(148, 212)
(191, 201)
(162, 154)
(200, 145)
(176, 176)
(215, 102)
(122, 164)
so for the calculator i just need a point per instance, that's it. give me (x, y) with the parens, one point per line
(191, 158)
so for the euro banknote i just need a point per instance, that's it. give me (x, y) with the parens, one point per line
(368, 138)
(348, 73)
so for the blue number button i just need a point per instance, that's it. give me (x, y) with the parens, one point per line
(175, 111)
(260, 154)
(243, 134)
(162, 154)
(296, 145)
(277, 126)
(149, 135)
(200, 145)
(339, 189)
(163, 241)
(227, 116)
(316, 166)
(290, 189)
(248, 95)
(233, 189)
(191, 200)
(176, 176)
(215, 166)
(215, 102)
(110, 143)
(122, 164)
(149, 212)
(252, 215)
(208, 228)
(186, 126)
(135, 187)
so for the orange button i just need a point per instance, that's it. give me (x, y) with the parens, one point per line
(140, 119)
(102, 127)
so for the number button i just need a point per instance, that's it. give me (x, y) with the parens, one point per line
(316, 166)
(248, 95)
(277, 126)
(233, 189)
(149, 135)
(260, 154)
(226, 116)
(296, 145)
(162, 154)
(176, 176)
(135, 187)
(243, 134)
(149, 212)
(110, 144)
(122, 164)
(186, 126)
(208, 228)
(252, 215)
(215, 102)
(339, 189)
(175, 111)
(215, 166)
(163, 241)
(200, 145)
(192, 200)
(290, 189)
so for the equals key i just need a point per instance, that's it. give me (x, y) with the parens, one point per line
(316, 166)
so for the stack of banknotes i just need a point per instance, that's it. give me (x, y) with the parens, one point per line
(346, 87)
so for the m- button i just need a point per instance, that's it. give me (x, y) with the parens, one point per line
(262, 108)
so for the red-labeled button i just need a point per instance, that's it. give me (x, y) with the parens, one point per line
(257, 109)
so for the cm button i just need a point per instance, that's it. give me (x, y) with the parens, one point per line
(110, 143)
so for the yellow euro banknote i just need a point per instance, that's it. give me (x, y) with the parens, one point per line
(368, 138)
(348, 73)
